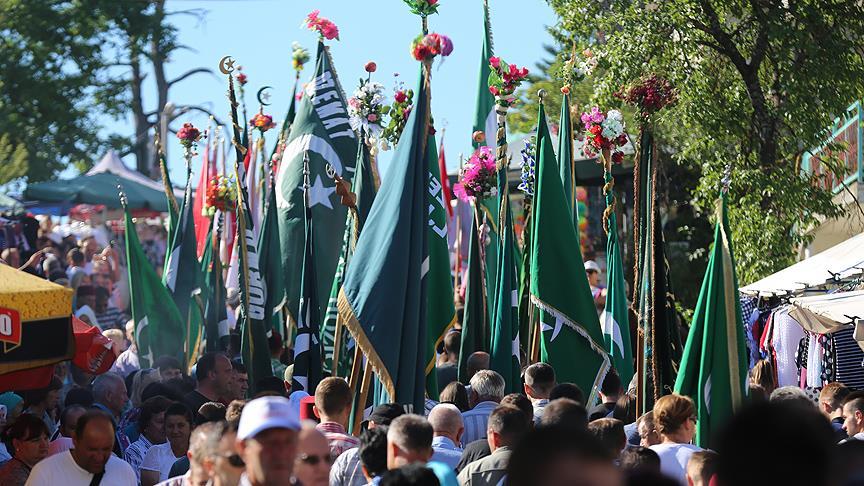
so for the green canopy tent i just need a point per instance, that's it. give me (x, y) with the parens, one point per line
(98, 188)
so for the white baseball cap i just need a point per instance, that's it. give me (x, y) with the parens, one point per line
(592, 265)
(266, 413)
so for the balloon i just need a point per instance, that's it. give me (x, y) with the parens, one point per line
(581, 194)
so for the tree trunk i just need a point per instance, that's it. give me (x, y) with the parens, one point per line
(142, 126)
(157, 58)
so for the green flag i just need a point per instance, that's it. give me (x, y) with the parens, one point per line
(573, 343)
(321, 130)
(173, 209)
(383, 301)
(183, 277)
(484, 121)
(714, 365)
(363, 187)
(616, 321)
(475, 335)
(307, 346)
(216, 314)
(159, 329)
(440, 311)
(270, 262)
(565, 158)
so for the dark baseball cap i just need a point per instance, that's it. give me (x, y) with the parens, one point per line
(384, 414)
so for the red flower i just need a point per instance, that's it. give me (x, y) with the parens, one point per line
(618, 157)
(241, 78)
(595, 130)
(493, 90)
(400, 96)
(431, 2)
(495, 61)
(370, 67)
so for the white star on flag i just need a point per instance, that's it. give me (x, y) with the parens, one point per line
(319, 193)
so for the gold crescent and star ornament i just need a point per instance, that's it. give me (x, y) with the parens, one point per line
(226, 65)
(263, 97)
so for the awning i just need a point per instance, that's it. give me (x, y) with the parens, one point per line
(837, 263)
(828, 313)
(98, 188)
(112, 164)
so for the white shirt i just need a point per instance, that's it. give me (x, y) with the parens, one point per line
(61, 469)
(674, 459)
(159, 458)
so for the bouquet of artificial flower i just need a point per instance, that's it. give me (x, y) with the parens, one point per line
(189, 136)
(650, 95)
(477, 179)
(574, 70)
(423, 8)
(262, 122)
(604, 131)
(430, 45)
(221, 195)
(325, 28)
(366, 108)
(299, 56)
(504, 79)
(398, 114)
(528, 166)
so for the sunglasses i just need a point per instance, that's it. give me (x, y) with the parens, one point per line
(314, 460)
(234, 460)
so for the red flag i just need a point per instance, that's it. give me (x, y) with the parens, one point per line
(445, 182)
(93, 352)
(202, 223)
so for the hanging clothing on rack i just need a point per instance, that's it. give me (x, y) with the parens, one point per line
(785, 337)
(848, 359)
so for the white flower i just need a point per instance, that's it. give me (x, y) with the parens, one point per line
(615, 115)
(612, 128)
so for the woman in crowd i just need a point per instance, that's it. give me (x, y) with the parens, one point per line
(27, 439)
(151, 421)
(43, 402)
(157, 463)
(675, 421)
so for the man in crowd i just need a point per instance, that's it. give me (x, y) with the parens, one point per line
(831, 405)
(409, 441)
(312, 466)
(333, 408)
(109, 393)
(203, 447)
(853, 416)
(506, 426)
(63, 438)
(169, 368)
(109, 317)
(565, 413)
(373, 452)
(227, 465)
(478, 360)
(267, 442)
(598, 292)
(128, 361)
(240, 383)
(447, 369)
(90, 462)
(610, 433)
(447, 429)
(215, 376)
(487, 389)
(479, 449)
(701, 467)
(346, 471)
(610, 392)
(539, 382)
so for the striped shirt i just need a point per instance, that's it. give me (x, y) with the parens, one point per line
(134, 454)
(338, 438)
(476, 421)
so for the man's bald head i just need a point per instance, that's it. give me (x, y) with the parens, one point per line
(477, 361)
(446, 420)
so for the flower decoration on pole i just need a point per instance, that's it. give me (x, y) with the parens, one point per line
(262, 122)
(477, 178)
(504, 79)
(528, 165)
(604, 133)
(325, 28)
(398, 114)
(426, 47)
(576, 69)
(366, 107)
(241, 77)
(649, 95)
(423, 8)
(189, 137)
(221, 196)
(299, 56)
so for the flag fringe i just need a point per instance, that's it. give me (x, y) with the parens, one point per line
(604, 368)
(431, 364)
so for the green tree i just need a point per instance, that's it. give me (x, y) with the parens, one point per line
(759, 82)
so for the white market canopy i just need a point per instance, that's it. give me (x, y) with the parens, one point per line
(112, 164)
(827, 313)
(837, 263)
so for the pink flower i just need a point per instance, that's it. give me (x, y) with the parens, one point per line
(400, 96)
(312, 17)
(495, 61)
(493, 90)
(353, 102)
(431, 2)
(372, 117)
(459, 191)
(446, 45)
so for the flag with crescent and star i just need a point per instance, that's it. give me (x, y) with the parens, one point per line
(572, 341)
(322, 132)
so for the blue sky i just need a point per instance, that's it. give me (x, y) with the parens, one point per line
(258, 33)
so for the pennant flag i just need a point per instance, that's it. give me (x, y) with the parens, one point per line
(173, 209)
(661, 350)
(383, 301)
(616, 321)
(183, 277)
(475, 334)
(363, 188)
(714, 364)
(440, 311)
(565, 158)
(322, 132)
(202, 222)
(159, 329)
(307, 346)
(573, 342)
(271, 264)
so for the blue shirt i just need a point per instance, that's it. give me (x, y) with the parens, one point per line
(476, 420)
(446, 451)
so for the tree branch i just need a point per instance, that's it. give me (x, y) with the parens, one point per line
(181, 110)
(189, 73)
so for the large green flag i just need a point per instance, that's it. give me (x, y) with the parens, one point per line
(573, 345)
(173, 209)
(320, 130)
(484, 121)
(440, 311)
(363, 187)
(714, 365)
(307, 345)
(270, 262)
(216, 314)
(616, 321)
(183, 277)
(383, 301)
(475, 335)
(159, 329)
(565, 158)
(504, 345)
